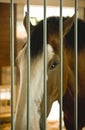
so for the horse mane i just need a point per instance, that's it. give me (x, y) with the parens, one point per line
(81, 36)
(37, 35)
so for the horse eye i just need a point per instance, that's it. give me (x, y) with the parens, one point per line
(53, 65)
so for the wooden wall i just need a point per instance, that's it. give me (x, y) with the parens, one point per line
(5, 33)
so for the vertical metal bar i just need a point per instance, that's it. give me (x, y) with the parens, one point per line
(76, 67)
(28, 64)
(12, 60)
(45, 63)
(61, 60)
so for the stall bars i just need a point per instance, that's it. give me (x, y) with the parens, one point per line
(45, 61)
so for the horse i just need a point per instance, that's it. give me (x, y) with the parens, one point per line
(53, 75)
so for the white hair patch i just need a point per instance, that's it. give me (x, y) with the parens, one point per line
(50, 52)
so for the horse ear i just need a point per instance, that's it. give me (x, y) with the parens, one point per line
(24, 21)
(25, 24)
(67, 25)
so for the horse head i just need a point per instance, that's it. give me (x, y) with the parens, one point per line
(37, 73)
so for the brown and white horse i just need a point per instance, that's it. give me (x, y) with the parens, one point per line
(53, 71)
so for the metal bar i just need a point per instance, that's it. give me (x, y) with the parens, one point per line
(76, 67)
(12, 60)
(61, 60)
(45, 63)
(28, 64)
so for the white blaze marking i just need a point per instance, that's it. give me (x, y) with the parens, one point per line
(50, 53)
(36, 90)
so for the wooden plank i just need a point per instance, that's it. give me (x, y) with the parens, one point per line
(69, 3)
(5, 101)
(5, 33)
(5, 58)
(5, 117)
(0, 75)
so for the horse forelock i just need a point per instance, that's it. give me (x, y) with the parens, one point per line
(37, 35)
